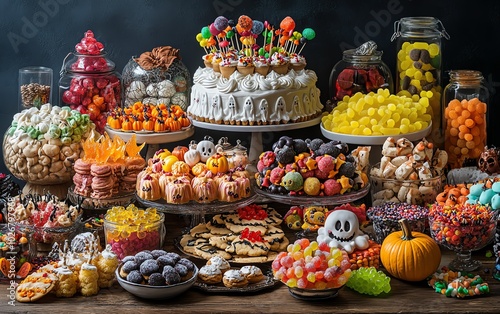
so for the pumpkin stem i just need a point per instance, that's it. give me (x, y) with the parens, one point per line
(405, 227)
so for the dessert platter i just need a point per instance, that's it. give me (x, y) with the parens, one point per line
(311, 171)
(263, 282)
(250, 235)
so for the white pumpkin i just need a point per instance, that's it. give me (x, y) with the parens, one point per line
(192, 156)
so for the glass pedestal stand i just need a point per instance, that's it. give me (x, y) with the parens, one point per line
(197, 211)
(256, 144)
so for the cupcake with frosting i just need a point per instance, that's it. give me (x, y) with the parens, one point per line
(297, 62)
(216, 60)
(261, 65)
(207, 59)
(245, 65)
(279, 63)
(227, 67)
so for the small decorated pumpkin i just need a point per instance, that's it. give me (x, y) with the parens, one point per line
(168, 162)
(411, 256)
(179, 152)
(217, 163)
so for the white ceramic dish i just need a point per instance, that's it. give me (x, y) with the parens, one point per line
(375, 139)
(153, 292)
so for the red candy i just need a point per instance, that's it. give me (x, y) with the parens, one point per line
(94, 82)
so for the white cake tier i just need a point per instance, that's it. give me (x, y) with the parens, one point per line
(254, 99)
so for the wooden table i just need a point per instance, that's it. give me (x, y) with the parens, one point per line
(404, 297)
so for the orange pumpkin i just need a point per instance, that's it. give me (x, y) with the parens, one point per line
(148, 124)
(410, 256)
(217, 163)
(127, 124)
(114, 122)
(137, 124)
(185, 122)
(179, 152)
(160, 125)
(173, 124)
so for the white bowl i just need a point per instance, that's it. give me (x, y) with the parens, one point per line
(156, 292)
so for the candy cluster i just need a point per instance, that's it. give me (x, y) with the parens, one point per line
(379, 113)
(465, 131)
(141, 117)
(93, 88)
(309, 265)
(369, 257)
(311, 167)
(41, 144)
(131, 229)
(408, 173)
(386, 218)
(463, 227)
(487, 192)
(51, 219)
(369, 280)
(458, 284)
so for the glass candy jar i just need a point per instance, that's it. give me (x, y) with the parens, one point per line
(419, 51)
(35, 86)
(157, 77)
(360, 70)
(89, 82)
(465, 101)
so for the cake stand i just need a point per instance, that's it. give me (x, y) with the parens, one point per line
(153, 139)
(256, 145)
(197, 211)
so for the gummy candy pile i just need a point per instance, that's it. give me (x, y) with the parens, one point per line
(367, 280)
(458, 284)
(131, 229)
(309, 265)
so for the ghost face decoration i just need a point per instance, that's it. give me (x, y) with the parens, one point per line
(341, 230)
(206, 148)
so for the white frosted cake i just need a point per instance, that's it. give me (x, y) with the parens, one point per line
(245, 84)
(254, 99)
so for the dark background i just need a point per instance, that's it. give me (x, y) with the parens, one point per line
(42, 32)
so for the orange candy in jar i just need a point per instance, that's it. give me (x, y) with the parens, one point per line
(465, 101)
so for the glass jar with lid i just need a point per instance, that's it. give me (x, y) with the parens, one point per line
(89, 82)
(465, 102)
(360, 70)
(157, 77)
(419, 52)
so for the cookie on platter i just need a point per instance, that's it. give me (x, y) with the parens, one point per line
(234, 278)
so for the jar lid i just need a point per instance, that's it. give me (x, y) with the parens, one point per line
(419, 26)
(367, 52)
(88, 64)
